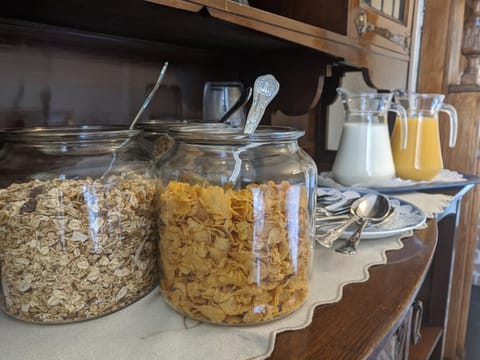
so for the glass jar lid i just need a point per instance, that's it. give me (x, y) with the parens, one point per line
(162, 125)
(217, 133)
(83, 133)
(72, 140)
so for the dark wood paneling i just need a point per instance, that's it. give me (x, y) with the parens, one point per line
(142, 20)
(321, 14)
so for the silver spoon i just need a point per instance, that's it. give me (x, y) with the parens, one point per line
(340, 207)
(327, 239)
(150, 96)
(265, 89)
(242, 100)
(139, 113)
(326, 222)
(375, 209)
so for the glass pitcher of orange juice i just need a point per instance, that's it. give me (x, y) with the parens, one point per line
(422, 158)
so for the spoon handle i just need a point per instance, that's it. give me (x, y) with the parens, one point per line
(330, 236)
(350, 246)
(150, 96)
(265, 89)
(332, 218)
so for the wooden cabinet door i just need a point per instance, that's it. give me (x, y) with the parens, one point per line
(385, 24)
(383, 28)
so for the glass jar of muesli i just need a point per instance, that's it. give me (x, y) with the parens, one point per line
(77, 233)
(235, 217)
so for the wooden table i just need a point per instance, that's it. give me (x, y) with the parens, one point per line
(377, 315)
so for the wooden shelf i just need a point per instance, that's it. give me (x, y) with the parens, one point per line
(430, 338)
(219, 26)
(341, 46)
(178, 25)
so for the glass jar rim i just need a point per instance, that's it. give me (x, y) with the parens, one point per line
(154, 125)
(217, 133)
(68, 133)
(368, 95)
(410, 95)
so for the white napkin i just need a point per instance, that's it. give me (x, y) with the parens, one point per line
(430, 204)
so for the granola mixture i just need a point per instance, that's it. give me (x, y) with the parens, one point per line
(76, 249)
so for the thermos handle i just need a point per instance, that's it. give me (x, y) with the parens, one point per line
(452, 114)
(402, 114)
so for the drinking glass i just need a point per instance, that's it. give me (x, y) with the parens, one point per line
(218, 98)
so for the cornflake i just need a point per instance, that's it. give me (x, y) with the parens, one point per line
(76, 249)
(234, 256)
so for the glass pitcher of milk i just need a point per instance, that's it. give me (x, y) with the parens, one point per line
(364, 154)
(422, 158)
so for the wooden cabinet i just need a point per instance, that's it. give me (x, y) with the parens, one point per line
(384, 24)
(307, 45)
(387, 29)
(381, 43)
(308, 29)
(320, 42)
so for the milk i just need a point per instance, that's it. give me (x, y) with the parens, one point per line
(364, 155)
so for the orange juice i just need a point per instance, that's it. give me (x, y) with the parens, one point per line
(422, 159)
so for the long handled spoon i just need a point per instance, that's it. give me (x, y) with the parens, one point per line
(150, 96)
(265, 89)
(139, 113)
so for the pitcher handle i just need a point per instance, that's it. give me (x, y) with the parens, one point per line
(402, 114)
(452, 114)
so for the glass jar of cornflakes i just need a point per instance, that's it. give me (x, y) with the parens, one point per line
(77, 234)
(155, 136)
(235, 216)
